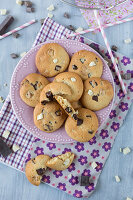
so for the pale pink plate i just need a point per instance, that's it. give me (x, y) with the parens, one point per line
(24, 113)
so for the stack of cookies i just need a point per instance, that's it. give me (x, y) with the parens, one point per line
(72, 96)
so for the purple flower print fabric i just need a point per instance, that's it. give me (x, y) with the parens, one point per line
(98, 148)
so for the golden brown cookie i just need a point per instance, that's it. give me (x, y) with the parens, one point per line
(74, 81)
(97, 94)
(61, 162)
(49, 117)
(84, 130)
(35, 169)
(31, 87)
(86, 64)
(53, 89)
(51, 59)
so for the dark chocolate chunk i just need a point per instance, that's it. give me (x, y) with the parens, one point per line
(95, 98)
(75, 116)
(66, 15)
(88, 116)
(33, 160)
(74, 67)
(68, 110)
(79, 121)
(91, 84)
(91, 132)
(57, 67)
(29, 9)
(49, 95)
(4, 149)
(127, 76)
(114, 48)
(44, 102)
(40, 171)
(28, 3)
(14, 55)
(5, 24)
(84, 181)
(89, 75)
(70, 27)
(35, 85)
(49, 128)
(96, 83)
(15, 35)
(58, 113)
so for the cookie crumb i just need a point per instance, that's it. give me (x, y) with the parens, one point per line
(126, 150)
(5, 84)
(40, 116)
(79, 29)
(90, 92)
(3, 11)
(93, 165)
(15, 35)
(121, 150)
(73, 79)
(50, 15)
(92, 64)
(127, 41)
(66, 15)
(127, 76)
(117, 178)
(6, 134)
(30, 9)
(42, 21)
(114, 48)
(23, 54)
(14, 55)
(70, 27)
(128, 198)
(1, 100)
(15, 148)
(19, 2)
(55, 60)
(51, 7)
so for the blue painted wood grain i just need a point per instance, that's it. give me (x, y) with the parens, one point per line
(13, 184)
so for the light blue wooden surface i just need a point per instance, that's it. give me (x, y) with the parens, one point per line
(13, 184)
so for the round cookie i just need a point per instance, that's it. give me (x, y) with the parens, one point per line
(51, 59)
(84, 131)
(49, 117)
(97, 94)
(61, 162)
(53, 89)
(74, 81)
(31, 87)
(86, 64)
(35, 169)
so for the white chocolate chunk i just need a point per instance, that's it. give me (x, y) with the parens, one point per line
(6, 134)
(73, 79)
(50, 15)
(92, 64)
(23, 54)
(128, 198)
(82, 60)
(117, 178)
(127, 41)
(66, 162)
(126, 150)
(70, 176)
(5, 84)
(19, 2)
(93, 165)
(79, 29)
(90, 92)
(15, 147)
(3, 11)
(51, 7)
(40, 116)
(1, 100)
(55, 60)
(121, 150)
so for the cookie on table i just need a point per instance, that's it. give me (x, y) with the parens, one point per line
(74, 81)
(86, 64)
(49, 117)
(53, 89)
(97, 94)
(76, 105)
(35, 169)
(31, 87)
(86, 129)
(51, 59)
(61, 162)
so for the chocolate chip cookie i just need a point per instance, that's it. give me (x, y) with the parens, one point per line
(31, 87)
(86, 129)
(49, 117)
(86, 64)
(35, 169)
(53, 89)
(97, 94)
(61, 162)
(74, 81)
(51, 59)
